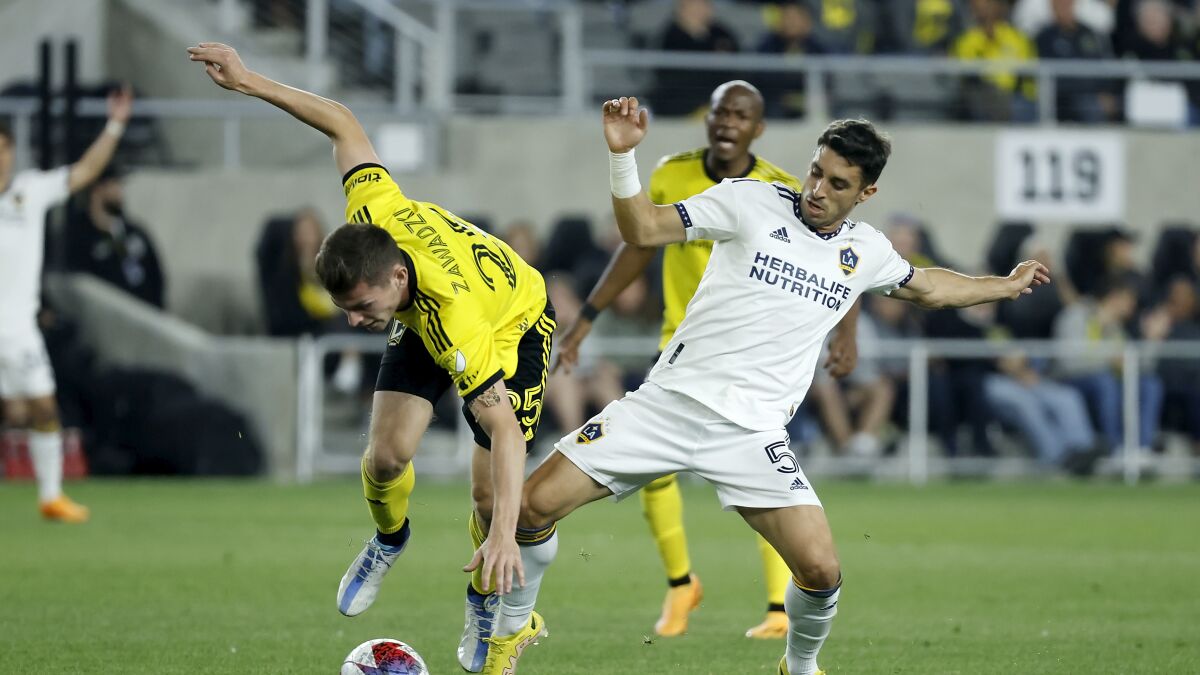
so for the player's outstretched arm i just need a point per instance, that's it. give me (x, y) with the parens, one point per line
(641, 221)
(351, 147)
(626, 265)
(100, 152)
(499, 555)
(937, 288)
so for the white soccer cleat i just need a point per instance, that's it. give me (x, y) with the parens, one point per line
(480, 622)
(361, 582)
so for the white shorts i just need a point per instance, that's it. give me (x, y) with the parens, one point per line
(25, 370)
(653, 432)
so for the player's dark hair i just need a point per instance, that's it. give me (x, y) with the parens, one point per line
(354, 253)
(861, 144)
(5, 132)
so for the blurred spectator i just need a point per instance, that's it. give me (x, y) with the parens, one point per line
(294, 302)
(1077, 99)
(1033, 317)
(571, 253)
(521, 237)
(1181, 377)
(1158, 36)
(1032, 16)
(921, 27)
(694, 28)
(998, 95)
(785, 92)
(1051, 417)
(854, 409)
(956, 386)
(847, 26)
(1176, 255)
(1098, 377)
(103, 242)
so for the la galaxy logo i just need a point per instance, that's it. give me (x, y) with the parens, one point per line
(847, 260)
(590, 433)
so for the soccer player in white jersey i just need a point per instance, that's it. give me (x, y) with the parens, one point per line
(785, 267)
(26, 379)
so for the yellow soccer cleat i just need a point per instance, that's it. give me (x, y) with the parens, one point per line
(783, 670)
(774, 627)
(504, 651)
(63, 510)
(680, 601)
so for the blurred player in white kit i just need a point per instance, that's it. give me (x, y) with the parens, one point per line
(26, 378)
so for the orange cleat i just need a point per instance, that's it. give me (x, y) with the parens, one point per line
(680, 601)
(774, 627)
(63, 510)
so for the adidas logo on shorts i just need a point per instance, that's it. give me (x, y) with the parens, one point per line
(781, 235)
(798, 484)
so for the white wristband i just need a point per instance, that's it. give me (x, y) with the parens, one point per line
(623, 175)
(114, 128)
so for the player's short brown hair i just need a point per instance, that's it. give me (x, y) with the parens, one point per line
(861, 144)
(6, 133)
(354, 253)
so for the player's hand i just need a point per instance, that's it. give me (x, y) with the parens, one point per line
(624, 123)
(120, 103)
(222, 64)
(568, 347)
(500, 560)
(843, 353)
(1027, 275)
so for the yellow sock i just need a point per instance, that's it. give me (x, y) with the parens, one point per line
(388, 501)
(478, 534)
(775, 573)
(663, 507)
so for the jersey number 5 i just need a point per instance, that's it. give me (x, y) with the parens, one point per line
(781, 455)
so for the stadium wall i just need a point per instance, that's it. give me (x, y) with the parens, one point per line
(255, 376)
(207, 222)
(25, 23)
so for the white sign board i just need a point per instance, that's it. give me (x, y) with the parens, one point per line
(1072, 176)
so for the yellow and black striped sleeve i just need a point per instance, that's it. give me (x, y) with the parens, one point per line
(461, 343)
(371, 194)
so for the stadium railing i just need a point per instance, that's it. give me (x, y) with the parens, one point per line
(915, 461)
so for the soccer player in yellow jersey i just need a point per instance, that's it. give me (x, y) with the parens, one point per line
(733, 122)
(464, 311)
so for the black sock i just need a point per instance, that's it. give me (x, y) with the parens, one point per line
(680, 581)
(395, 539)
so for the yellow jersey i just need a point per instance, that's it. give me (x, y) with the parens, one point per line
(472, 296)
(1004, 44)
(676, 178)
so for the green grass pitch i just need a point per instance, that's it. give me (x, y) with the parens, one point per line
(232, 577)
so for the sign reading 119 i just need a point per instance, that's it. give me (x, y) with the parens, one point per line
(1075, 177)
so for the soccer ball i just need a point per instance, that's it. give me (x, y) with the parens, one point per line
(384, 657)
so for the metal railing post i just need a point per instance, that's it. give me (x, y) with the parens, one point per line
(918, 415)
(439, 67)
(573, 74)
(1130, 414)
(308, 369)
(815, 101)
(405, 73)
(23, 139)
(316, 42)
(1047, 96)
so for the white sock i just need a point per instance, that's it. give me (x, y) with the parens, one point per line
(47, 452)
(809, 619)
(516, 607)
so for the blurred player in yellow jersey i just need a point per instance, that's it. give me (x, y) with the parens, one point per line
(464, 311)
(734, 121)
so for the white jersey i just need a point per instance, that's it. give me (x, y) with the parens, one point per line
(773, 289)
(23, 210)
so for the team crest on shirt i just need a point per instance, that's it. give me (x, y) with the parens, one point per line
(847, 260)
(396, 333)
(590, 433)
